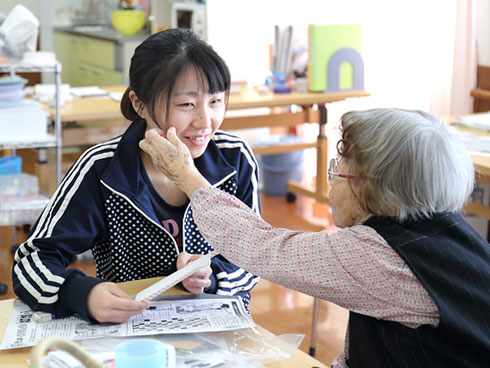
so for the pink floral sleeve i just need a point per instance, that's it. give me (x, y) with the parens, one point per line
(354, 267)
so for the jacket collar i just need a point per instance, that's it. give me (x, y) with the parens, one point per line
(123, 172)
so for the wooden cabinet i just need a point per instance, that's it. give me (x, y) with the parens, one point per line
(89, 61)
(481, 94)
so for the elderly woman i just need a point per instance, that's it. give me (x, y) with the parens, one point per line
(413, 274)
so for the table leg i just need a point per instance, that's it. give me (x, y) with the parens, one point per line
(316, 306)
(321, 154)
(321, 190)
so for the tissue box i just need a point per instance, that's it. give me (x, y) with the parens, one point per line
(23, 122)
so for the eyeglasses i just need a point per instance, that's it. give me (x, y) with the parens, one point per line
(332, 171)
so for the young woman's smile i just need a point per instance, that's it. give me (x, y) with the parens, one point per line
(198, 140)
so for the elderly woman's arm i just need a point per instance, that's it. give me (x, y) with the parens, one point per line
(353, 268)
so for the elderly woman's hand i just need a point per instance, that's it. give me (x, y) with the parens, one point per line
(173, 159)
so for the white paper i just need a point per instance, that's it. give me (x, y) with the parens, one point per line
(180, 314)
(116, 96)
(159, 287)
(89, 91)
(476, 144)
(62, 359)
(479, 121)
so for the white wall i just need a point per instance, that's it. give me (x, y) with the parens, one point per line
(408, 46)
(241, 31)
(7, 5)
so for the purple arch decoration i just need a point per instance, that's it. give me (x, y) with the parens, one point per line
(352, 56)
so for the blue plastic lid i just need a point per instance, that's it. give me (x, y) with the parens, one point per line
(148, 353)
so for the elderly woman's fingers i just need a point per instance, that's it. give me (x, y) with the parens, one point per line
(173, 158)
(172, 136)
(175, 140)
(156, 140)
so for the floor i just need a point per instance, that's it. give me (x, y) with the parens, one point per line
(280, 310)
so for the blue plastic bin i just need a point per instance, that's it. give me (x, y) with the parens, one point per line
(278, 169)
(10, 165)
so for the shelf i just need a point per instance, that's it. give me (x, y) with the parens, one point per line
(18, 67)
(50, 141)
(25, 210)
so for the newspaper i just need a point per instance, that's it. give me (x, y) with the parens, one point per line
(172, 314)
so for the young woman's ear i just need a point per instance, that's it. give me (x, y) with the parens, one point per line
(138, 105)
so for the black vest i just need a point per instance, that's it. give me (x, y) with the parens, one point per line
(453, 264)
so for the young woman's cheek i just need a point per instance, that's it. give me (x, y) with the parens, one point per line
(218, 120)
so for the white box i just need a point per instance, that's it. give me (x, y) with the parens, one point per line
(24, 122)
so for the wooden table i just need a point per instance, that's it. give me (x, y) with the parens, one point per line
(312, 108)
(16, 358)
(482, 173)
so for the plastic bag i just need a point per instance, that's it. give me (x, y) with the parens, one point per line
(253, 347)
(18, 32)
(247, 348)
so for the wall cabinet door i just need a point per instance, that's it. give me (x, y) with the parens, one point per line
(87, 61)
(102, 77)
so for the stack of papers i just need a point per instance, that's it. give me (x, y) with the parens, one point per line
(479, 121)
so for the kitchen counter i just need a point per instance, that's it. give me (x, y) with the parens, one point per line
(103, 33)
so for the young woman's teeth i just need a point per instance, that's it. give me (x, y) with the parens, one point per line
(198, 138)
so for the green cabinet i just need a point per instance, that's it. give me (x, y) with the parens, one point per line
(89, 61)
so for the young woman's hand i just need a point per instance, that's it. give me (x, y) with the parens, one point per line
(173, 159)
(107, 303)
(199, 280)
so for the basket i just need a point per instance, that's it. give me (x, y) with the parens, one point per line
(10, 165)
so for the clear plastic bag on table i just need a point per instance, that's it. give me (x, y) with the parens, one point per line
(247, 348)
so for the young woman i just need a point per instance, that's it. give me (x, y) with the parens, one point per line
(115, 202)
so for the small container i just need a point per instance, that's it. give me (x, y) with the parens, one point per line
(128, 22)
(18, 186)
(12, 89)
(146, 353)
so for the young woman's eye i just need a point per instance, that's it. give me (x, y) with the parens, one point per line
(186, 104)
(216, 101)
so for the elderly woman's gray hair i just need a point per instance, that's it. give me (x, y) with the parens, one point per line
(411, 164)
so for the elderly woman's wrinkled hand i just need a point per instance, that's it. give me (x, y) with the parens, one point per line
(173, 159)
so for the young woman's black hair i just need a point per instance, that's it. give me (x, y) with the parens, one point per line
(161, 59)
